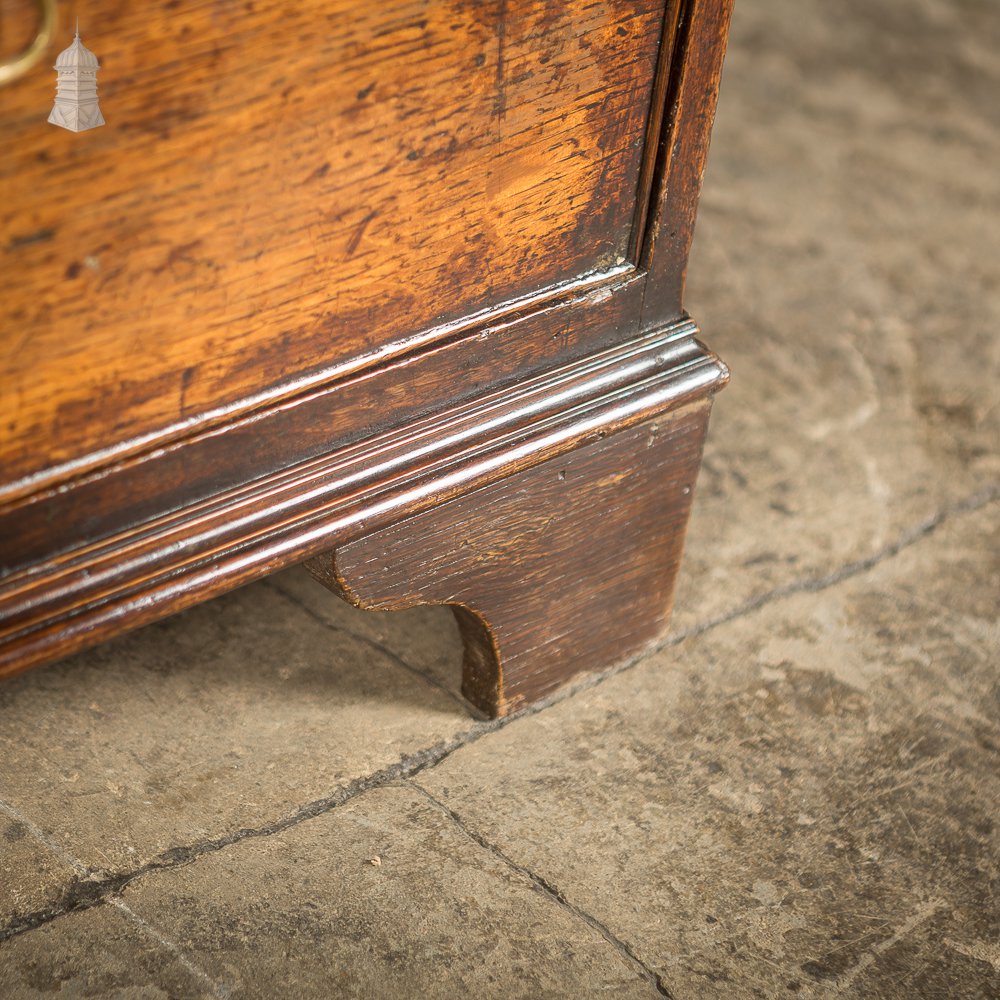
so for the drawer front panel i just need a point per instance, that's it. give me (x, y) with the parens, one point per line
(282, 189)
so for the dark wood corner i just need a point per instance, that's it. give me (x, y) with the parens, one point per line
(565, 567)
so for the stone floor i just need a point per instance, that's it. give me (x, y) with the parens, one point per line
(274, 795)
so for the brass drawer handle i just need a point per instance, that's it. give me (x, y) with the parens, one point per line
(18, 65)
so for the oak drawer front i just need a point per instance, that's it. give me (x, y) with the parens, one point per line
(282, 189)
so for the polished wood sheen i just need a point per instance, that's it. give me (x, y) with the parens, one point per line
(339, 282)
(179, 558)
(284, 189)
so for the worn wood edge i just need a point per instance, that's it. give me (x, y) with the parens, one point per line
(690, 96)
(172, 562)
(485, 675)
(198, 469)
(657, 119)
(64, 473)
(660, 119)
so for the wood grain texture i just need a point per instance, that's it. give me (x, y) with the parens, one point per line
(566, 567)
(285, 189)
(312, 426)
(691, 93)
(359, 263)
(55, 606)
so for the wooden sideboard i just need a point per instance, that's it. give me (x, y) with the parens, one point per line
(392, 289)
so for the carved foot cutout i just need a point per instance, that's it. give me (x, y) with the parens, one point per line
(565, 567)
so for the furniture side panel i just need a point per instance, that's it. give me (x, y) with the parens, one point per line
(691, 92)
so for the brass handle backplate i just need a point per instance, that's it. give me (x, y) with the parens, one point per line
(17, 65)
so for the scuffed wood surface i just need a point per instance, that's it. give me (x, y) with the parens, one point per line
(209, 465)
(171, 561)
(691, 95)
(281, 189)
(563, 568)
(231, 341)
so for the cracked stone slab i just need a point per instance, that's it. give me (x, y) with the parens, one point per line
(385, 896)
(102, 953)
(31, 874)
(845, 267)
(226, 717)
(800, 802)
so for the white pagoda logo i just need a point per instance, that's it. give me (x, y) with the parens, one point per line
(76, 105)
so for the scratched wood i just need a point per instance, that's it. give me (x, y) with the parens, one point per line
(196, 470)
(691, 97)
(566, 567)
(339, 279)
(285, 188)
(173, 560)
